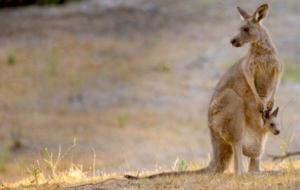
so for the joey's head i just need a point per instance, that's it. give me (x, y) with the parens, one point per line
(271, 121)
(251, 29)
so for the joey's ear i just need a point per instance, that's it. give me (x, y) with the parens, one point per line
(275, 112)
(260, 13)
(266, 114)
(243, 14)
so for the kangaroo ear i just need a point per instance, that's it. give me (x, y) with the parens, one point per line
(275, 112)
(266, 114)
(260, 13)
(243, 14)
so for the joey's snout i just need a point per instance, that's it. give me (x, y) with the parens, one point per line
(274, 129)
(276, 132)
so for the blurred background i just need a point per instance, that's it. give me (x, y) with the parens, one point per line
(124, 85)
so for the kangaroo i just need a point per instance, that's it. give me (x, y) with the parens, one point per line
(245, 92)
(247, 88)
(257, 136)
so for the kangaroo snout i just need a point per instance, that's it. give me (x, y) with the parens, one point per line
(235, 42)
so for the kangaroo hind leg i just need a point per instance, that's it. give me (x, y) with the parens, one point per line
(233, 128)
(222, 154)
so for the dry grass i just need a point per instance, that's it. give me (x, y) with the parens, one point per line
(280, 175)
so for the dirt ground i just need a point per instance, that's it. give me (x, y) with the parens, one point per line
(129, 81)
(276, 181)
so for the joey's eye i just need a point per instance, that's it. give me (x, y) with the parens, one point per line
(272, 124)
(246, 29)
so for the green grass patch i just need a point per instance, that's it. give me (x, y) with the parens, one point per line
(11, 58)
(291, 73)
(4, 158)
(180, 165)
(122, 119)
(162, 68)
(228, 63)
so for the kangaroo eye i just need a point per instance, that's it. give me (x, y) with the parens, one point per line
(246, 29)
(272, 124)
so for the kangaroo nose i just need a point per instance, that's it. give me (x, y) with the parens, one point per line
(233, 41)
(276, 132)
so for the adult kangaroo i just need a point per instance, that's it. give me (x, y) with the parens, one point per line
(240, 111)
(245, 90)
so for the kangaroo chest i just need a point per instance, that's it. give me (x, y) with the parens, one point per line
(265, 73)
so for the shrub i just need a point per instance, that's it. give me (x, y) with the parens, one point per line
(16, 3)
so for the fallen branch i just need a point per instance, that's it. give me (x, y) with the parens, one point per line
(284, 156)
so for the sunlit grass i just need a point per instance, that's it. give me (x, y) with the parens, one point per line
(285, 174)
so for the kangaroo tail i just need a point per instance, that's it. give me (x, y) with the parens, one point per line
(202, 171)
(131, 177)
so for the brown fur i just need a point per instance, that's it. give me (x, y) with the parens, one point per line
(246, 91)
